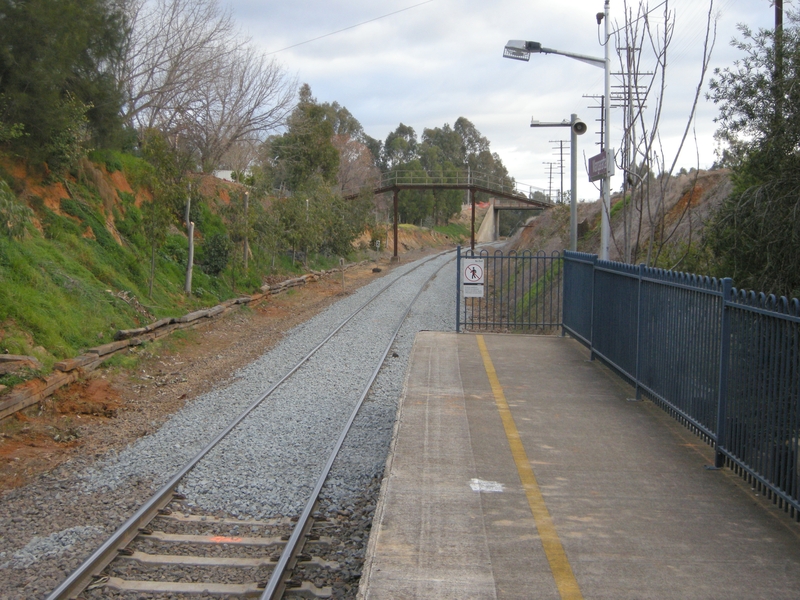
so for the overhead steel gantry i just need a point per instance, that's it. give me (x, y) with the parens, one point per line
(505, 188)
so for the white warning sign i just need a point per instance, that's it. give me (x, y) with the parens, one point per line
(472, 278)
(472, 290)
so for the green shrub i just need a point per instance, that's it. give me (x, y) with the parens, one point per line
(13, 214)
(216, 251)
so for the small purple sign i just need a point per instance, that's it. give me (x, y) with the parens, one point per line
(598, 165)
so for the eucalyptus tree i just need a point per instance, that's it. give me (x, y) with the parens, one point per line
(305, 150)
(58, 92)
(755, 234)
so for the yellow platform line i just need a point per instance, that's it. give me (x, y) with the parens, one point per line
(559, 564)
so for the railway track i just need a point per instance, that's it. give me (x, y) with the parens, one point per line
(183, 543)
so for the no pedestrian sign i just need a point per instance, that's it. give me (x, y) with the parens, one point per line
(473, 270)
(472, 278)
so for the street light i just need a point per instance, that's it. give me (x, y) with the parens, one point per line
(522, 50)
(576, 127)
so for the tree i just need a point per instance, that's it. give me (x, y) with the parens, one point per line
(268, 235)
(343, 121)
(306, 149)
(356, 164)
(247, 97)
(172, 47)
(240, 158)
(156, 219)
(415, 206)
(755, 235)
(444, 153)
(240, 225)
(187, 71)
(400, 147)
(216, 253)
(57, 62)
(449, 143)
(169, 167)
(644, 46)
(301, 230)
(169, 189)
(472, 142)
(341, 221)
(758, 115)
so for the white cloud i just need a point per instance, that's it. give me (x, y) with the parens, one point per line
(441, 60)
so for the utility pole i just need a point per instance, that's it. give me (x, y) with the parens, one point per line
(623, 97)
(549, 180)
(560, 163)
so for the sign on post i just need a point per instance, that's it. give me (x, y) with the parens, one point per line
(472, 278)
(600, 166)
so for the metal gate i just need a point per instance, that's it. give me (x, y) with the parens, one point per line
(515, 292)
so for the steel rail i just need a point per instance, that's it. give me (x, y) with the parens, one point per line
(82, 576)
(277, 575)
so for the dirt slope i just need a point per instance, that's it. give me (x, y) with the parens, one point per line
(688, 202)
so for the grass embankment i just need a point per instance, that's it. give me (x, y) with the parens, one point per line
(80, 271)
(457, 232)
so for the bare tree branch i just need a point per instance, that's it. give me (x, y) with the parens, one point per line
(188, 72)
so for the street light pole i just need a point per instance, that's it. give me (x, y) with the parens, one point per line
(522, 50)
(605, 223)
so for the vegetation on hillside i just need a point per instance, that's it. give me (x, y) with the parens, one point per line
(756, 234)
(111, 116)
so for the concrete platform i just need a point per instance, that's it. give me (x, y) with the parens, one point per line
(526, 471)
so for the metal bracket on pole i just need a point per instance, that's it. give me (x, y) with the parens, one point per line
(576, 127)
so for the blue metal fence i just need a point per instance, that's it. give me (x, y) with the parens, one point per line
(578, 277)
(724, 362)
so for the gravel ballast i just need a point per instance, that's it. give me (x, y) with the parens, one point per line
(268, 465)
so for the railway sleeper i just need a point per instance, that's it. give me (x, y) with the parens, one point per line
(185, 538)
(305, 589)
(219, 561)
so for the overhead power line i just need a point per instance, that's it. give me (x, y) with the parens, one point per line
(350, 27)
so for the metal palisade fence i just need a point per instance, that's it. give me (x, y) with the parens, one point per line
(723, 361)
(514, 292)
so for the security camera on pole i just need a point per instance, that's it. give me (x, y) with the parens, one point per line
(576, 128)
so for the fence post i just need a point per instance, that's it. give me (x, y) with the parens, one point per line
(591, 315)
(458, 288)
(564, 289)
(639, 329)
(724, 351)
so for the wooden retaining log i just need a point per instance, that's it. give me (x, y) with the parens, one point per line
(192, 316)
(32, 392)
(125, 334)
(78, 362)
(10, 363)
(70, 370)
(109, 348)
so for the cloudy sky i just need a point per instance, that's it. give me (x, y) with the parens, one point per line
(433, 61)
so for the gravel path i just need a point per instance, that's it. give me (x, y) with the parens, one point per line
(266, 466)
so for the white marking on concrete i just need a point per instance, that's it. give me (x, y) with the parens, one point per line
(479, 485)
